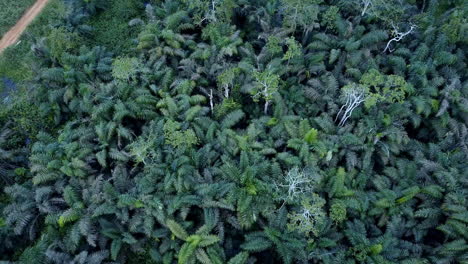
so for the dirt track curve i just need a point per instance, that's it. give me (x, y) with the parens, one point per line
(15, 32)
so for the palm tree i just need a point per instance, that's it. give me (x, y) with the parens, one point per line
(9, 159)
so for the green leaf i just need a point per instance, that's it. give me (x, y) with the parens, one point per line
(408, 194)
(338, 180)
(185, 252)
(177, 229)
(376, 249)
(129, 239)
(232, 118)
(208, 240)
(311, 136)
(334, 54)
(256, 244)
(115, 248)
(68, 216)
(203, 257)
(240, 258)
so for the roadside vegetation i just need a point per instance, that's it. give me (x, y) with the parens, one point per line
(11, 11)
(17, 61)
(236, 131)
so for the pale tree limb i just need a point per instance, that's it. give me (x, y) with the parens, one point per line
(209, 15)
(399, 36)
(342, 108)
(265, 107)
(367, 4)
(356, 102)
(266, 94)
(353, 99)
(213, 10)
(211, 100)
(297, 183)
(226, 90)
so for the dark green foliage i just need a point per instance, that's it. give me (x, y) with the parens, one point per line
(213, 137)
(110, 27)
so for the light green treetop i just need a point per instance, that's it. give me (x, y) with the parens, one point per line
(267, 83)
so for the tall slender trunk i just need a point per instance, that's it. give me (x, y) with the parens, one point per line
(211, 100)
(226, 91)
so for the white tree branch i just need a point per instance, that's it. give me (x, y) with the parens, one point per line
(353, 99)
(211, 100)
(399, 36)
(367, 4)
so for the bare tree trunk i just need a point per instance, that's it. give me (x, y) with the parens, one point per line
(265, 108)
(211, 100)
(226, 91)
(366, 5)
(399, 36)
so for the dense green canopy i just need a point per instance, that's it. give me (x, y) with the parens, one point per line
(241, 131)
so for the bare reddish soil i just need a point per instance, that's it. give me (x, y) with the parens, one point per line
(12, 36)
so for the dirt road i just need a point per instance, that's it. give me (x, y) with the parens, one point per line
(15, 32)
